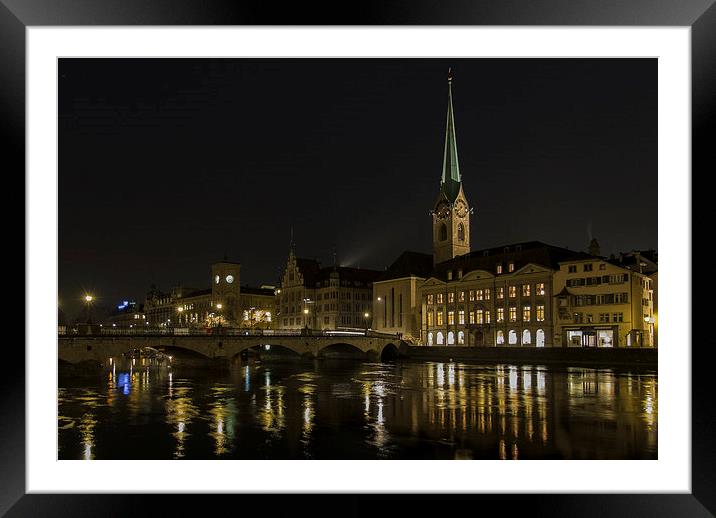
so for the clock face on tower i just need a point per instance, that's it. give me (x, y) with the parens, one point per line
(217, 279)
(461, 209)
(229, 279)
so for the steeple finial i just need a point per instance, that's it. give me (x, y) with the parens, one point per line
(291, 245)
(450, 180)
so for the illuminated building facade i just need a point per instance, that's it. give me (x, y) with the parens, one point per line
(225, 303)
(494, 297)
(602, 303)
(325, 298)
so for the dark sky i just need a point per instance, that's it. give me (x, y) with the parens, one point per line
(166, 164)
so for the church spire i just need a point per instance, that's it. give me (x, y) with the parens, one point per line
(450, 180)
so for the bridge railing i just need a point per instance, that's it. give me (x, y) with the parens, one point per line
(214, 331)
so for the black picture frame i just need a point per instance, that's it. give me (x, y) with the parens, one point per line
(699, 15)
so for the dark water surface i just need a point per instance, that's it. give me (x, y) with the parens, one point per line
(349, 410)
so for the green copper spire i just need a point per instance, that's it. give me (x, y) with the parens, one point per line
(450, 181)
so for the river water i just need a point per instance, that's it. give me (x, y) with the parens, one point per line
(330, 409)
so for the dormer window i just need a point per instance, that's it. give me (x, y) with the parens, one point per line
(511, 267)
(459, 273)
(449, 275)
(499, 269)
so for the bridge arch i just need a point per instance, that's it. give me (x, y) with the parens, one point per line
(389, 352)
(341, 350)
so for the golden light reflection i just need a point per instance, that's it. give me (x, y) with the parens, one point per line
(86, 428)
(222, 411)
(180, 412)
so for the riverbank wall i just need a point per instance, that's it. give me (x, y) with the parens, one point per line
(646, 357)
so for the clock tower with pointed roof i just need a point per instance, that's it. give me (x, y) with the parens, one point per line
(451, 213)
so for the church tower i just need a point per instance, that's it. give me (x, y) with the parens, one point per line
(451, 213)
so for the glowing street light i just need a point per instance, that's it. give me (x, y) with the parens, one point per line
(88, 303)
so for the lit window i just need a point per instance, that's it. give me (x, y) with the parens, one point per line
(479, 295)
(430, 318)
(440, 318)
(451, 298)
(461, 298)
(511, 267)
(526, 313)
(461, 317)
(499, 269)
(487, 293)
(540, 313)
(480, 316)
(513, 292)
(439, 297)
(525, 290)
(472, 317)
(430, 299)
(487, 316)
(500, 293)
(513, 314)
(449, 275)
(539, 288)
(451, 317)
(472, 295)
(500, 314)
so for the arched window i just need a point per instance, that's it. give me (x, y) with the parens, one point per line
(512, 337)
(460, 338)
(540, 338)
(441, 341)
(461, 232)
(430, 339)
(500, 338)
(443, 232)
(451, 338)
(526, 337)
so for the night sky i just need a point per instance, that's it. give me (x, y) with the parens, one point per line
(165, 165)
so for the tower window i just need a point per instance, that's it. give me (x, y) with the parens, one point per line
(461, 232)
(443, 232)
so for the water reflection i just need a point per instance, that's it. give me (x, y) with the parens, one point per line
(141, 409)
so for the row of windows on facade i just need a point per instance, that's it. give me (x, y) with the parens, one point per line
(328, 307)
(596, 300)
(346, 320)
(485, 294)
(481, 316)
(586, 267)
(439, 337)
(333, 282)
(580, 318)
(600, 279)
(297, 296)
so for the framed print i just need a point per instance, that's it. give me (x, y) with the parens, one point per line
(272, 253)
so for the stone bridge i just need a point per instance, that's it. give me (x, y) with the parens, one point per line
(74, 349)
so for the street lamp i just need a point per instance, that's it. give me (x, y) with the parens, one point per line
(180, 310)
(88, 303)
(365, 316)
